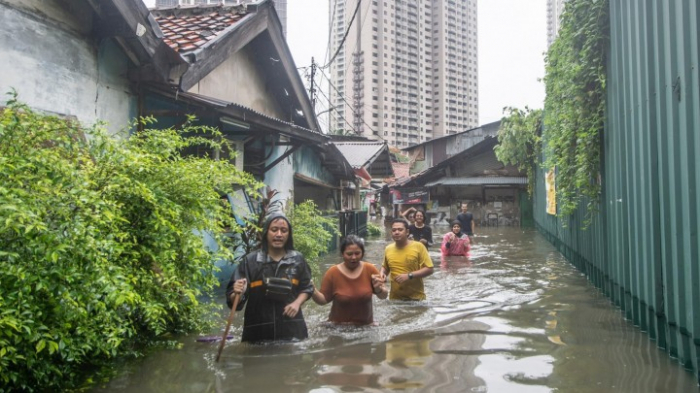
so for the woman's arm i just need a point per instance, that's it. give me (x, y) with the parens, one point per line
(410, 209)
(378, 287)
(318, 298)
(325, 297)
(382, 292)
(445, 247)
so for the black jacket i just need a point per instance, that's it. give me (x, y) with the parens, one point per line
(263, 319)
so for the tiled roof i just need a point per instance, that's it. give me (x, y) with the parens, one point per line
(190, 28)
(401, 169)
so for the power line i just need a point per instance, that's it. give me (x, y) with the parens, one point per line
(342, 117)
(350, 106)
(359, 2)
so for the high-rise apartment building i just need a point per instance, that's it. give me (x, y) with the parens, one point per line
(280, 6)
(554, 10)
(407, 71)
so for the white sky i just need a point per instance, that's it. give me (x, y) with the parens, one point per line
(512, 41)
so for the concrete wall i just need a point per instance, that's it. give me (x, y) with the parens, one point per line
(238, 80)
(55, 66)
(323, 197)
(502, 203)
(281, 176)
(308, 163)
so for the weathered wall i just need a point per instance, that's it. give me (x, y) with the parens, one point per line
(308, 163)
(238, 80)
(642, 248)
(54, 66)
(323, 197)
(281, 176)
(501, 205)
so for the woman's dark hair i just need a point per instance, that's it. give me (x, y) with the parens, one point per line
(352, 239)
(421, 212)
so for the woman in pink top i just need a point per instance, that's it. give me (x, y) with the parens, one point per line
(455, 242)
(350, 285)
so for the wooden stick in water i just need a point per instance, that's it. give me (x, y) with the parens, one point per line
(228, 324)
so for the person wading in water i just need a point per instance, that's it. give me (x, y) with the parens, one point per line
(274, 282)
(407, 262)
(350, 285)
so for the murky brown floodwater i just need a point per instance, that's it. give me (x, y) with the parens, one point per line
(513, 317)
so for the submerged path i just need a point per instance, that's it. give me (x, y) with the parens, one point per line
(514, 316)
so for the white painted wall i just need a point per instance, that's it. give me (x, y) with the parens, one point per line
(53, 64)
(281, 176)
(238, 80)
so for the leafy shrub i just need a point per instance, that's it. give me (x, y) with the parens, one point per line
(575, 80)
(312, 232)
(519, 141)
(373, 230)
(100, 252)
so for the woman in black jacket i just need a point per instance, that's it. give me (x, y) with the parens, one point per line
(274, 282)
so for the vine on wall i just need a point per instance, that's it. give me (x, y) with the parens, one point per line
(575, 81)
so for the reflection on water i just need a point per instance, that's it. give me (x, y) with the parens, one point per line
(512, 316)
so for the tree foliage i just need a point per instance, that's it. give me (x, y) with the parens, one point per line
(519, 141)
(575, 80)
(312, 232)
(100, 246)
(373, 229)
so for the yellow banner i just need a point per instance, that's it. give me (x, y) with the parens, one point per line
(551, 192)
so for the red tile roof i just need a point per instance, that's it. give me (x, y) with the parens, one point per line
(401, 170)
(186, 29)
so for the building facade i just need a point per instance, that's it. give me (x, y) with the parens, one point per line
(405, 71)
(280, 6)
(554, 10)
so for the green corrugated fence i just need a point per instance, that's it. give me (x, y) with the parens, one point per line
(642, 249)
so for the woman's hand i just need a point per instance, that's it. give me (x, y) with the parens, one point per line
(291, 310)
(377, 283)
(240, 286)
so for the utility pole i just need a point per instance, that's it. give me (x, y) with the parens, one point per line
(312, 89)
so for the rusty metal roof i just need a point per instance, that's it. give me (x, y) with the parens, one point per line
(189, 28)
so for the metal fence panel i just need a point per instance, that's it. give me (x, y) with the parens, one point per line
(643, 248)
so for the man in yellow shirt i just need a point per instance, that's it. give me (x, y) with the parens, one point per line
(407, 262)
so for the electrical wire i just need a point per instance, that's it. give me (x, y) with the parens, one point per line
(357, 9)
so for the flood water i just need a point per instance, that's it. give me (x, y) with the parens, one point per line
(514, 316)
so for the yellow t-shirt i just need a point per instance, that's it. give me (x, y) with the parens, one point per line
(414, 256)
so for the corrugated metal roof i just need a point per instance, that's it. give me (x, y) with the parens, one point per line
(488, 129)
(477, 181)
(360, 154)
(225, 104)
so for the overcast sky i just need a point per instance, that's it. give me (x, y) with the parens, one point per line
(512, 42)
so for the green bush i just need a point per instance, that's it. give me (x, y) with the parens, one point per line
(519, 141)
(574, 107)
(373, 230)
(310, 234)
(100, 248)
